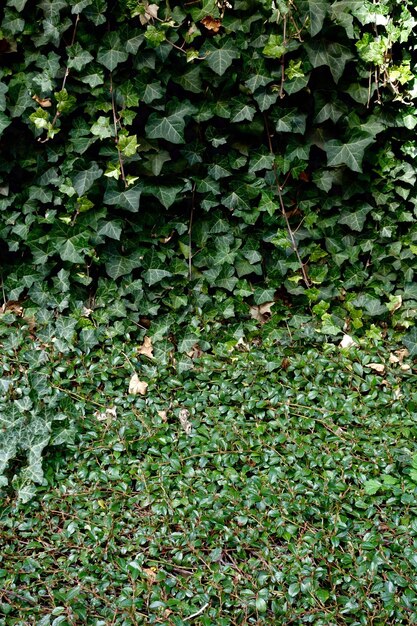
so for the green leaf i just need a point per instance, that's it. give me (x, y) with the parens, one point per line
(220, 58)
(356, 219)
(84, 180)
(410, 341)
(111, 229)
(333, 55)
(4, 122)
(350, 154)
(119, 265)
(261, 160)
(315, 11)
(167, 195)
(73, 249)
(292, 122)
(77, 57)
(170, 128)
(372, 486)
(102, 128)
(153, 276)
(128, 199)
(112, 52)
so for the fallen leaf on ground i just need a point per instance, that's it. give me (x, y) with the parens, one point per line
(146, 348)
(163, 415)
(184, 421)
(261, 312)
(378, 367)
(106, 416)
(347, 342)
(137, 386)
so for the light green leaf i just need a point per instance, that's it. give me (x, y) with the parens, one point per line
(102, 128)
(372, 486)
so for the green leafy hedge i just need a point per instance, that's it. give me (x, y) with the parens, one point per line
(181, 161)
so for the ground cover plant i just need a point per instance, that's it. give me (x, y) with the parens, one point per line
(272, 483)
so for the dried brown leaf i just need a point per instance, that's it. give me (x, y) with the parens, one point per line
(43, 102)
(261, 312)
(146, 348)
(137, 386)
(377, 367)
(211, 23)
(184, 421)
(163, 415)
(151, 13)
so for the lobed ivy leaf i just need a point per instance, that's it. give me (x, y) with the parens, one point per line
(219, 58)
(112, 52)
(170, 128)
(128, 199)
(83, 181)
(351, 153)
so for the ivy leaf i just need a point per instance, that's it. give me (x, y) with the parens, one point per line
(167, 195)
(111, 229)
(77, 57)
(356, 219)
(241, 111)
(372, 486)
(4, 122)
(315, 11)
(292, 122)
(219, 59)
(73, 249)
(334, 55)
(261, 161)
(170, 128)
(119, 265)
(128, 199)
(112, 52)
(410, 341)
(84, 180)
(152, 276)
(350, 154)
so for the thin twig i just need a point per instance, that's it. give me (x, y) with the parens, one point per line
(64, 81)
(203, 608)
(190, 232)
(116, 134)
(283, 211)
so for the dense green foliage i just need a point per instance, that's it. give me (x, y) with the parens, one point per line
(186, 159)
(292, 499)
